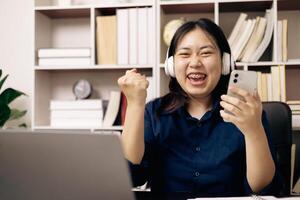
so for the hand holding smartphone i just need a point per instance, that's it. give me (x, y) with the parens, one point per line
(246, 80)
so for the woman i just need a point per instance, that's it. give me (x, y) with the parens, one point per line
(180, 142)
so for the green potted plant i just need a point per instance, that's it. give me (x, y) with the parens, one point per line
(6, 97)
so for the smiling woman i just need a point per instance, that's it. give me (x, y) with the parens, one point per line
(180, 142)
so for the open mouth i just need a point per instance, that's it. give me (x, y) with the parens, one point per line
(196, 77)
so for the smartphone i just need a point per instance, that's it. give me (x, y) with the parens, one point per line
(246, 80)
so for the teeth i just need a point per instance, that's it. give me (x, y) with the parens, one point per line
(196, 76)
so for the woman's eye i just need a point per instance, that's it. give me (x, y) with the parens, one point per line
(207, 53)
(184, 54)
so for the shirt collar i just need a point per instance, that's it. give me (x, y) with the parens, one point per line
(182, 111)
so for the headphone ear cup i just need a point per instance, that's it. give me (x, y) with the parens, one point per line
(226, 63)
(169, 67)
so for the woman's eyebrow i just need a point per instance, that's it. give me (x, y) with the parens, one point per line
(201, 48)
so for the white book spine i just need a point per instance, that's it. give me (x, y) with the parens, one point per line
(64, 52)
(266, 39)
(296, 120)
(275, 83)
(73, 114)
(122, 36)
(133, 36)
(78, 104)
(64, 61)
(112, 108)
(282, 83)
(279, 41)
(150, 89)
(270, 88)
(142, 36)
(244, 38)
(151, 37)
(236, 28)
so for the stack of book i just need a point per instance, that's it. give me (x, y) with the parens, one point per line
(76, 114)
(64, 57)
(126, 38)
(295, 107)
(271, 86)
(250, 38)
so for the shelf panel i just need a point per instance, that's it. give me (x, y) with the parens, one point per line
(288, 5)
(178, 7)
(65, 12)
(94, 130)
(290, 63)
(245, 6)
(95, 67)
(295, 63)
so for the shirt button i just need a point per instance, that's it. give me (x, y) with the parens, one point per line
(199, 123)
(197, 174)
(198, 149)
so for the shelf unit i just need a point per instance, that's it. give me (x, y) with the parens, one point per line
(74, 26)
(67, 27)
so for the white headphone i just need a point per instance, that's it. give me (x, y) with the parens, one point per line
(227, 63)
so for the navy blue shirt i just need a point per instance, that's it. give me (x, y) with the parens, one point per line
(183, 154)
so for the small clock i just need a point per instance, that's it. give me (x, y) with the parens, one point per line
(82, 89)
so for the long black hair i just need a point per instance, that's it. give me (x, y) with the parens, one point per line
(177, 96)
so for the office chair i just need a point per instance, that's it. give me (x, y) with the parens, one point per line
(279, 115)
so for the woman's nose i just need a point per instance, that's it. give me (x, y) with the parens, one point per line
(195, 61)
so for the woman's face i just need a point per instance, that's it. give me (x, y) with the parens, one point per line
(197, 62)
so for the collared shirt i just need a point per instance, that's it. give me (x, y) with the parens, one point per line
(203, 157)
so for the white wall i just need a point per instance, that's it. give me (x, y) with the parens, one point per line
(16, 50)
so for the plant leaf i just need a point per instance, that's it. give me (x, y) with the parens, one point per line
(2, 81)
(16, 114)
(0, 73)
(4, 113)
(9, 94)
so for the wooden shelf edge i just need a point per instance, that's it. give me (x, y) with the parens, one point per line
(94, 67)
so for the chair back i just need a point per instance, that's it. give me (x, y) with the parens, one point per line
(280, 119)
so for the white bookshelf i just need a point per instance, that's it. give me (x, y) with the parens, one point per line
(74, 26)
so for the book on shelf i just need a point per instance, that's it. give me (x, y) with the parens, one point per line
(259, 84)
(151, 89)
(64, 61)
(251, 39)
(282, 83)
(122, 36)
(76, 104)
(133, 35)
(279, 41)
(142, 36)
(123, 108)
(63, 52)
(76, 122)
(275, 83)
(264, 87)
(296, 120)
(112, 108)
(151, 37)
(106, 39)
(266, 38)
(86, 114)
(236, 28)
(269, 86)
(284, 40)
(295, 107)
(243, 39)
(255, 39)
